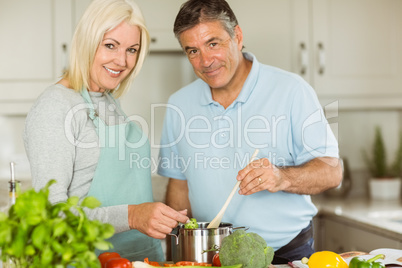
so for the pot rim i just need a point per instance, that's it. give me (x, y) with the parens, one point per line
(203, 226)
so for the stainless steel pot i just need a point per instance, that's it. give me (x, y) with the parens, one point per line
(192, 244)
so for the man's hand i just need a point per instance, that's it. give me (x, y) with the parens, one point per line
(261, 175)
(313, 177)
(155, 219)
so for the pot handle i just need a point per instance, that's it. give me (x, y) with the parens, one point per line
(176, 235)
(176, 238)
(241, 227)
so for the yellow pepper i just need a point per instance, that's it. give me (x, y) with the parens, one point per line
(326, 259)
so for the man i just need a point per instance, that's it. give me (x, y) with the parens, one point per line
(213, 125)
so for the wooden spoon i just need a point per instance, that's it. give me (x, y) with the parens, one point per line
(217, 220)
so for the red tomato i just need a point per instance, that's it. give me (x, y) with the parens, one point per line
(153, 263)
(105, 256)
(118, 263)
(185, 263)
(216, 261)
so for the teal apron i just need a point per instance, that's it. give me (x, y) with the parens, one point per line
(117, 181)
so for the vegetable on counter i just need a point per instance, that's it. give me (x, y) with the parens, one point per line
(248, 249)
(118, 263)
(105, 256)
(216, 261)
(325, 259)
(358, 262)
(180, 263)
(191, 263)
(140, 264)
(153, 263)
(193, 224)
(36, 233)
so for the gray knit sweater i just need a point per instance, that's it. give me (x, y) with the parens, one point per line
(56, 121)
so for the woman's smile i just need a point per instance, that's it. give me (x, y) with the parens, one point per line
(115, 57)
(113, 72)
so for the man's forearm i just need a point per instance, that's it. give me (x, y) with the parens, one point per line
(177, 195)
(313, 177)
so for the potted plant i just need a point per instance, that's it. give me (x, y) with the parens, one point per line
(35, 233)
(385, 181)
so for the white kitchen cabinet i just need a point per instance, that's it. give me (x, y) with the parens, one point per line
(79, 7)
(274, 29)
(34, 48)
(341, 235)
(358, 41)
(361, 41)
(160, 16)
(36, 37)
(348, 50)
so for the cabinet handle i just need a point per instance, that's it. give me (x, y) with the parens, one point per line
(303, 58)
(64, 59)
(321, 58)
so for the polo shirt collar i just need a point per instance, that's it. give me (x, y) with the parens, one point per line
(206, 97)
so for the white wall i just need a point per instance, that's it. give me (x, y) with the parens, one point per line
(356, 133)
(162, 74)
(11, 147)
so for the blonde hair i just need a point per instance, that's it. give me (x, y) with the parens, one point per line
(100, 17)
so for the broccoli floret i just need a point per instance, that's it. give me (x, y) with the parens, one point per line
(192, 224)
(248, 249)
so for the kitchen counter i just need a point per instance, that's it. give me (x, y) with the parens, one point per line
(382, 217)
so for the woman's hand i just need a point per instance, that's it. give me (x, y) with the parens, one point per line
(155, 219)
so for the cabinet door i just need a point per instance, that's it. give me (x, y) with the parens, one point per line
(356, 51)
(276, 32)
(160, 16)
(341, 237)
(78, 10)
(363, 240)
(335, 236)
(34, 48)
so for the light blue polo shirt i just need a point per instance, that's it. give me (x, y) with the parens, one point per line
(205, 144)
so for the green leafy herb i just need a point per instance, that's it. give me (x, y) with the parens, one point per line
(377, 161)
(36, 233)
(192, 224)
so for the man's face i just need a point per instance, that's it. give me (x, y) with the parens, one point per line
(214, 55)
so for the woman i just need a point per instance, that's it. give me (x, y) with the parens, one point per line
(77, 133)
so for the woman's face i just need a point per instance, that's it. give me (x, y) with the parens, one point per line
(115, 57)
